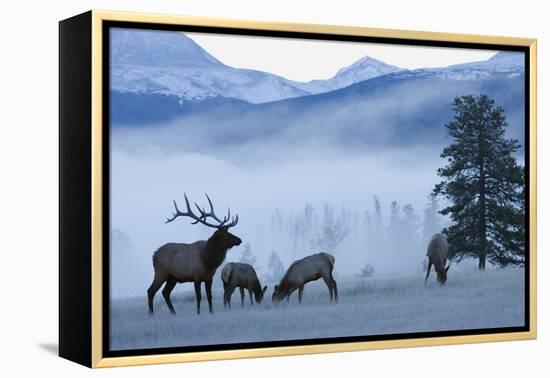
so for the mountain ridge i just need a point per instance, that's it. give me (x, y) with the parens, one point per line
(170, 63)
(396, 107)
(389, 111)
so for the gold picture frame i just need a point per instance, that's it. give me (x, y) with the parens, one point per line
(92, 25)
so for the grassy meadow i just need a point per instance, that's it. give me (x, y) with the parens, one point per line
(470, 300)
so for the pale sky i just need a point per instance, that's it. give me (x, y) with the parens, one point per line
(305, 60)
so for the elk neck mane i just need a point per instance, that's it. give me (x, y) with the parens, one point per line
(256, 287)
(284, 285)
(213, 253)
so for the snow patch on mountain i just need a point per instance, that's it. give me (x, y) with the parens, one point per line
(507, 63)
(363, 69)
(170, 63)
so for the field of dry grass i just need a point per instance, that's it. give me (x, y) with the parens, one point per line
(470, 300)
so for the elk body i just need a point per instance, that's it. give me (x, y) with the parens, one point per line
(305, 270)
(438, 251)
(242, 276)
(196, 262)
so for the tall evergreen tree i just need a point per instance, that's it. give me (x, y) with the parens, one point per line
(297, 228)
(333, 230)
(395, 224)
(432, 219)
(378, 223)
(275, 267)
(120, 241)
(247, 257)
(368, 230)
(484, 185)
(410, 224)
(395, 227)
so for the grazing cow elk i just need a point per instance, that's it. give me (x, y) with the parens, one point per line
(242, 276)
(196, 262)
(438, 251)
(302, 271)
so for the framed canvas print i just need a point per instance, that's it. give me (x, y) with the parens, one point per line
(235, 189)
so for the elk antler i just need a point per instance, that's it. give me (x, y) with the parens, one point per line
(204, 215)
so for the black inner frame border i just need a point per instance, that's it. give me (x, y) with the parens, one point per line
(106, 25)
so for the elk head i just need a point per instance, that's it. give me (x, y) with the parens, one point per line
(277, 295)
(442, 275)
(259, 295)
(225, 239)
(221, 237)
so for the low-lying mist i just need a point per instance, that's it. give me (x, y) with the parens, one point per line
(270, 188)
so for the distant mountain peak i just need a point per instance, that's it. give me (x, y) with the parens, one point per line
(362, 69)
(508, 57)
(170, 63)
(506, 54)
(157, 48)
(368, 62)
(503, 63)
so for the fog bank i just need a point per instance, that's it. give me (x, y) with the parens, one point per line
(144, 184)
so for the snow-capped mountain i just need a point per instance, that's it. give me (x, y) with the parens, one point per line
(364, 69)
(148, 48)
(504, 62)
(170, 63)
(164, 78)
(389, 111)
(148, 62)
(507, 63)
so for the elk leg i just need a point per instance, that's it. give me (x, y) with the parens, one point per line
(428, 273)
(242, 296)
(224, 296)
(198, 295)
(250, 295)
(328, 281)
(208, 285)
(155, 286)
(229, 294)
(170, 284)
(334, 288)
(300, 293)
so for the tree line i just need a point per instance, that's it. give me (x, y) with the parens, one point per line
(482, 185)
(393, 229)
(482, 188)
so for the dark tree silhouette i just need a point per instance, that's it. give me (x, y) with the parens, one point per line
(410, 224)
(120, 241)
(275, 267)
(247, 257)
(333, 231)
(432, 222)
(484, 185)
(367, 271)
(377, 224)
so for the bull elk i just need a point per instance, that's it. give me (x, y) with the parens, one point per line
(305, 270)
(196, 262)
(438, 251)
(242, 276)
